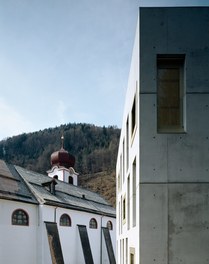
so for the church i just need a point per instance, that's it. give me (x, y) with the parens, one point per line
(48, 219)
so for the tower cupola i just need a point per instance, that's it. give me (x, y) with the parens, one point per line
(63, 166)
(62, 158)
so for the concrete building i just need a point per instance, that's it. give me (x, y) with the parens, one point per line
(163, 159)
(49, 219)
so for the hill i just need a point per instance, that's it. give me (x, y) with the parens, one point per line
(95, 149)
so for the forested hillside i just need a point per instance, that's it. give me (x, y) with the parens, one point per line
(95, 149)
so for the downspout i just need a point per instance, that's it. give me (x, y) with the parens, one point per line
(101, 241)
(55, 214)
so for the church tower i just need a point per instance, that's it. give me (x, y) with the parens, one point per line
(63, 166)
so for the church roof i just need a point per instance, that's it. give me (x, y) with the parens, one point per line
(12, 186)
(20, 184)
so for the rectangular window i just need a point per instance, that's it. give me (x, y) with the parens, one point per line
(121, 170)
(170, 93)
(123, 160)
(128, 202)
(127, 143)
(119, 218)
(126, 251)
(124, 209)
(133, 116)
(119, 182)
(132, 256)
(134, 193)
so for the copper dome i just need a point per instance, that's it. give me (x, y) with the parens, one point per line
(62, 158)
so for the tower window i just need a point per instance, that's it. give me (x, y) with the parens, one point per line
(70, 180)
(20, 217)
(170, 94)
(65, 220)
(93, 223)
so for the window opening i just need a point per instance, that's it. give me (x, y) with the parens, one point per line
(20, 217)
(70, 180)
(170, 94)
(65, 220)
(124, 209)
(109, 225)
(134, 192)
(93, 223)
(132, 256)
(133, 116)
(127, 143)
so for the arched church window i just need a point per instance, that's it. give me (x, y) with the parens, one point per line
(93, 223)
(65, 220)
(20, 217)
(70, 180)
(109, 225)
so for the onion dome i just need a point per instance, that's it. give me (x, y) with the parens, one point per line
(62, 158)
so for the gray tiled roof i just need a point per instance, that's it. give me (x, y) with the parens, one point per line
(12, 186)
(66, 195)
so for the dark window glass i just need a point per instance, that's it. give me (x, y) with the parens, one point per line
(133, 116)
(93, 223)
(65, 220)
(109, 225)
(170, 94)
(20, 217)
(70, 179)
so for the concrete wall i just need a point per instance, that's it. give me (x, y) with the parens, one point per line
(174, 168)
(172, 179)
(182, 157)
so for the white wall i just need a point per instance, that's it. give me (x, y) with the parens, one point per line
(69, 236)
(131, 233)
(17, 243)
(29, 244)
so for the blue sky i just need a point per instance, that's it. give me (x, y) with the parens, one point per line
(66, 61)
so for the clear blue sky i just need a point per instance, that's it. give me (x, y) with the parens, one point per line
(65, 61)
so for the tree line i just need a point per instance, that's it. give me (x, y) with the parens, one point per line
(94, 148)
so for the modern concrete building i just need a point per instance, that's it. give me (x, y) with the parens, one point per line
(46, 220)
(163, 159)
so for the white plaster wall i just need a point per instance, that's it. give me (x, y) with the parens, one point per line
(17, 243)
(56, 171)
(133, 232)
(63, 174)
(69, 236)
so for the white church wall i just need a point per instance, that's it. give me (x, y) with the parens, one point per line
(69, 235)
(17, 243)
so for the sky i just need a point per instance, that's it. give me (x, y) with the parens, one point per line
(66, 61)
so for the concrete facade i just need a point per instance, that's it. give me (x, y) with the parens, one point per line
(164, 177)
